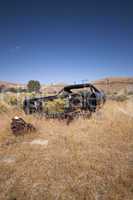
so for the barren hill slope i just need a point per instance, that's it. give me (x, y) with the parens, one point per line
(10, 84)
(115, 84)
(111, 85)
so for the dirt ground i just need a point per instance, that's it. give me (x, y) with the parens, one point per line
(90, 159)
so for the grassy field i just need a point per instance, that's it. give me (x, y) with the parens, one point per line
(90, 159)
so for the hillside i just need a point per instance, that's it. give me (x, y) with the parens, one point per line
(111, 85)
(6, 84)
(115, 84)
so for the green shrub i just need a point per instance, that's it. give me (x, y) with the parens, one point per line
(130, 93)
(33, 86)
(121, 98)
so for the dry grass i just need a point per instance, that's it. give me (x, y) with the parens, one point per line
(87, 160)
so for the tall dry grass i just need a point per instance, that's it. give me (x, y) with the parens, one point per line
(88, 160)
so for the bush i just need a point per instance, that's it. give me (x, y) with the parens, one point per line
(121, 98)
(16, 90)
(33, 86)
(130, 93)
(115, 93)
(3, 107)
(56, 105)
(13, 100)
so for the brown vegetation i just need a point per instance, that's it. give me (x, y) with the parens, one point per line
(89, 159)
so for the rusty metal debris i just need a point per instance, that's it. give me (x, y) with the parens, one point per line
(19, 126)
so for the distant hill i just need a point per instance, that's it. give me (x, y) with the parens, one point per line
(11, 85)
(53, 88)
(109, 85)
(114, 84)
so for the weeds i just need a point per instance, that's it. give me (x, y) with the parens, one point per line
(89, 159)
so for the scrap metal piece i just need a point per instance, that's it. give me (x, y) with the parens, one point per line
(19, 126)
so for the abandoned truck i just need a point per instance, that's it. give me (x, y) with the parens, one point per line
(79, 99)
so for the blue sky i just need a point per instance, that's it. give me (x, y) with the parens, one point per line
(65, 42)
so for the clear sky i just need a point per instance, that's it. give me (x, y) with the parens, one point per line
(65, 41)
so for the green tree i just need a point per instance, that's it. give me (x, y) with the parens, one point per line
(33, 86)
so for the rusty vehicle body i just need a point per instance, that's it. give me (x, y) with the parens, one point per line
(81, 99)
